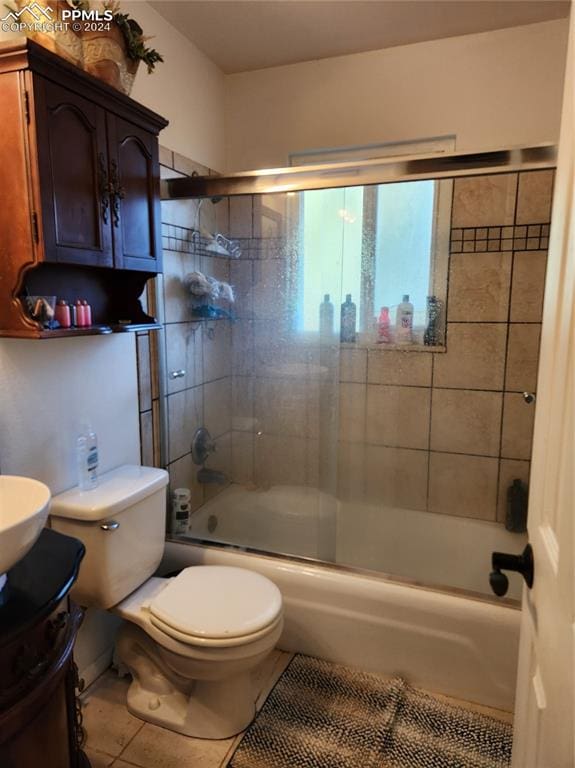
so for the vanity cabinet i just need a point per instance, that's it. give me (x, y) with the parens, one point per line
(79, 192)
(39, 711)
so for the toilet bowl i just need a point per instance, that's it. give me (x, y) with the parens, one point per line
(191, 642)
(192, 658)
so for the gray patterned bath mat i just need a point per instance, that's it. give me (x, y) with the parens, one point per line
(323, 715)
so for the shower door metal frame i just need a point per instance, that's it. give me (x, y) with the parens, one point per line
(380, 171)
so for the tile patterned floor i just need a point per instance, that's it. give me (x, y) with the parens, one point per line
(118, 739)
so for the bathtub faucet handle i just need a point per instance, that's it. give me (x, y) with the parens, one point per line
(501, 561)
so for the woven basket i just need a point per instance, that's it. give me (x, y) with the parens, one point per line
(66, 44)
(104, 57)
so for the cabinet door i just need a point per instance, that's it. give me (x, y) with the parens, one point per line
(72, 156)
(135, 196)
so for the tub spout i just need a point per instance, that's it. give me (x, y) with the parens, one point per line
(211, 476)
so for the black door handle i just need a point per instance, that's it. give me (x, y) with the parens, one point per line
(501, 561)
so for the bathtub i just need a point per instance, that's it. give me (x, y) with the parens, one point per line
(450, 641)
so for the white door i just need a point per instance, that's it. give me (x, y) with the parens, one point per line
(545, 706)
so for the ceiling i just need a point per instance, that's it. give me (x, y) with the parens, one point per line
(243, 35)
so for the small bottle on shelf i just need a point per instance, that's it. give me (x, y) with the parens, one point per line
(383, 327)
(404, 322)
(87, 313)
(62, 314)
(348, 321)
(326, 315)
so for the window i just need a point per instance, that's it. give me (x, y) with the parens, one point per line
(376, 243)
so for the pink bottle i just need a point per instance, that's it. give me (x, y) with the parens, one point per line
(78, 314)
(87, 313)
(383, 327)
(62, 314)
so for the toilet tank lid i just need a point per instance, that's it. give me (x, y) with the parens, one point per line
(117, 490)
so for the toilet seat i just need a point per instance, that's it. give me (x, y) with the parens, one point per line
(210, 642)
(217, 606)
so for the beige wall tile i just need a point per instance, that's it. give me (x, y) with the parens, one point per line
(241, 278)
(483, 201)
(217, 349)
(398, 416)
(243, 347)
(522, 357)
(352, 404)
(188, 167)
(479, 287)
(403, 368)
(156, 747)
(534, 197)
(185, 416)
(243, 388)
(207, 217)
(166, 156)
(222, 209)
(509, 470)
(147, 439)
(518, 418)
(463, 485)
(108, 723)
(270, 284)
(353, 365)
(280, 460)
(217, 267)
(221, 461)
(529, 269)
(475, 357)
(351, 472)
(184, 474)
(218, 406)
(183, 352)
(144, 371)
(396, 477)
(242, 457)
(176, 296)
(464, 421)
(287, 406)
(180, 213)
(241, 216)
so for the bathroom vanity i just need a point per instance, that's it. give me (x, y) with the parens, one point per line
(39, 714)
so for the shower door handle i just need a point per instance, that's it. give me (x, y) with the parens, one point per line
(501, 561)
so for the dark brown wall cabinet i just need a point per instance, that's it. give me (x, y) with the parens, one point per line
(79, 192)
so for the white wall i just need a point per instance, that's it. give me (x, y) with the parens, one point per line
(490, 89)
(47, 387)
(187, 89)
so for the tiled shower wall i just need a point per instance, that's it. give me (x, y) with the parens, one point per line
(199, 348)
(445, 432)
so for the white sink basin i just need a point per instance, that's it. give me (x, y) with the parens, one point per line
(24, 505)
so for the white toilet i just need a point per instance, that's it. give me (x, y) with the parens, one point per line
(191, 642)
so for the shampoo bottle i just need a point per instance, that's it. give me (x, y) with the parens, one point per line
(326, 315)
(87, 458)
(383, 329)
(404, 322)
(348, 320)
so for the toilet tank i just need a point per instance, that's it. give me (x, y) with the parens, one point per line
(122, 523)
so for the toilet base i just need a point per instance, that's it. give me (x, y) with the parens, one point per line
(205, 709)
